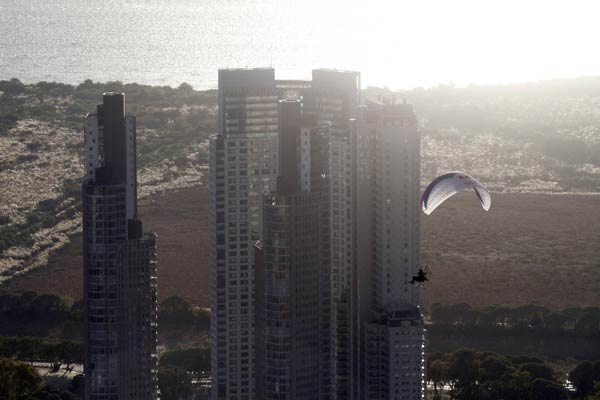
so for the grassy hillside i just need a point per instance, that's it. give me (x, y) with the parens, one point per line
(41, 152)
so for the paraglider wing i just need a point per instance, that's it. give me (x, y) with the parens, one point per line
(484, 196)
(447, 185)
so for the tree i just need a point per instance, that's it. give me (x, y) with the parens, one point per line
(516, 385)
(76, 311)
(543, 389)
(69, 352)
(555, 321)
(186, 87)
(457, 314)
(175, 311)
(538, 370)
(50, 392)
(582, 378)
(588, 324)
(48, 306)
(174, 383)
(13, 87)
(595, 392)
(192, 360)
(78, 385)
(28, 348)
(17, 379)
(596, 371)
(519, 360)
(438, 373)
(463, 370)
(522, 317)
(494, 367)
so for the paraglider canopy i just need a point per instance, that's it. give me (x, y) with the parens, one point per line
(447, 185)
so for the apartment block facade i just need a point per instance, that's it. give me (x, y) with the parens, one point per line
(338, 202)
(292, 336)
(392, 343)
(243, 165)
(119, 263)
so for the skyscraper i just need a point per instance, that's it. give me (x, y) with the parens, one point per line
(243, 167)
(344, 210)
(293, 354)
(334, 97)
(119, 263)
(388, 185)
(243, 164)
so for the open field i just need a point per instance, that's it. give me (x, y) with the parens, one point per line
(181, 221)
(529, 249)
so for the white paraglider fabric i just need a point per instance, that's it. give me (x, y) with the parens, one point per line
(445, 186)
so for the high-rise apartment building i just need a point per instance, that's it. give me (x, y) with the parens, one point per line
(334, 97)
(243, 164)
(388, 185)
(344, 210)
(293, 354)
(243, 167)
(119, 263)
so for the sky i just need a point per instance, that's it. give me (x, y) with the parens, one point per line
(481, 42)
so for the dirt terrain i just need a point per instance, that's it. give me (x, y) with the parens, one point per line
(180, 220)
(528, 249)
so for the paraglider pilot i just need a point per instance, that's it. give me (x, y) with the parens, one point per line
(422, 276)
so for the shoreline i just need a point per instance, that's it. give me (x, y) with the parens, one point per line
(213, 86)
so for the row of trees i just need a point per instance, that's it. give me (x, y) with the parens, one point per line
(176, 369)
(583, 321)
(35, 349)
(19, 381)
(478, 375)
(88, 90)
(175, 383)
(173, 312)
(193, 360)
(156, 107)
(33, 306)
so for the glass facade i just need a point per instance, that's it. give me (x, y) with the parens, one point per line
(119, 265)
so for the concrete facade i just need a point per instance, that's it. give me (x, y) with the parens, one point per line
(243, 165)
(388, 188)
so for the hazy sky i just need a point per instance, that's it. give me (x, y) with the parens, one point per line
(481, 41)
